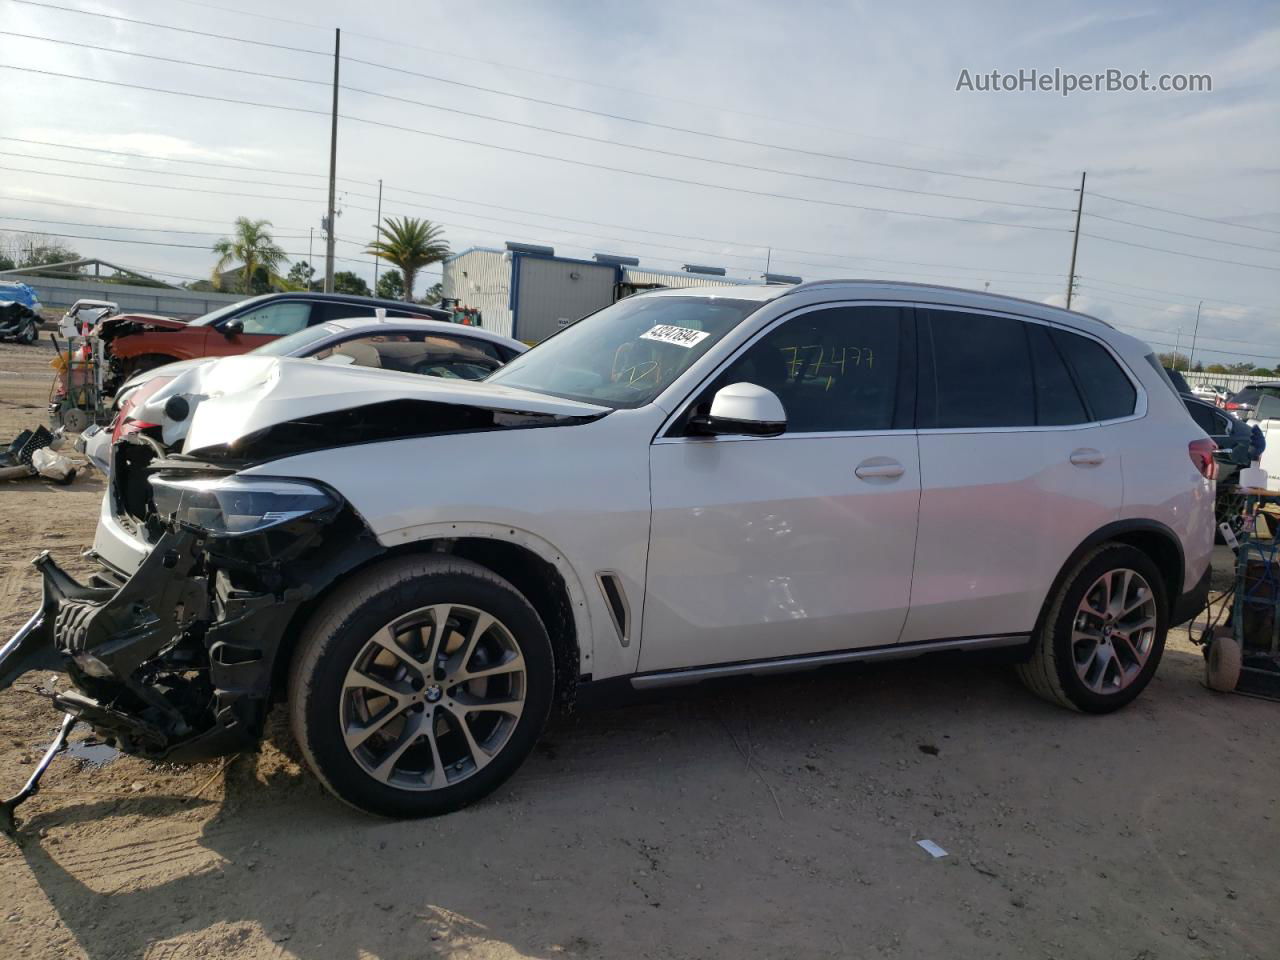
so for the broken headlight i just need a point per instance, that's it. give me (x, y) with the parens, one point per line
(233, 505)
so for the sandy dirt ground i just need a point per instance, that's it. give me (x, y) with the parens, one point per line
(771, 818)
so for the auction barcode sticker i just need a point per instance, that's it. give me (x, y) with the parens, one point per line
(669, 333)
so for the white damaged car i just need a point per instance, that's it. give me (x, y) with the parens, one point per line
(688, 484)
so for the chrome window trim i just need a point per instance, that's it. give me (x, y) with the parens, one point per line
(679, 409)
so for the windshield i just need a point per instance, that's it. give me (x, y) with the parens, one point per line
(295, 344)
(626, 354)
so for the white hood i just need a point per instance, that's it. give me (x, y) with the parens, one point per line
(236, 396)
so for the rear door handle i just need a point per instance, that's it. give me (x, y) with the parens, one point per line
(1087, 457)
(879, 468)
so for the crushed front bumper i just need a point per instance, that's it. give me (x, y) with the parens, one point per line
(174, 664)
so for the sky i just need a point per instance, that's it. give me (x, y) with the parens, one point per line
(820, 139)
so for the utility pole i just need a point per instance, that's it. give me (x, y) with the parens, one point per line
(1194, 334)
(768, 260)
(1075, 240)
(311, 243)
(333, 169)
(376, 227)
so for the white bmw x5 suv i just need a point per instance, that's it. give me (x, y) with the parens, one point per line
(688, 484)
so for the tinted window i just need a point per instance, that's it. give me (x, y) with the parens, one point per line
(1204, 419)
(1179, 381)
(276, 319)
(1057, 401)
(833, 370)
(981, 371)
(1107, 391)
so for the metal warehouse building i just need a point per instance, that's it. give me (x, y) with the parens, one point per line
(528, 293)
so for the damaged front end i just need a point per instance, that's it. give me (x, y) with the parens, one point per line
(180, 661)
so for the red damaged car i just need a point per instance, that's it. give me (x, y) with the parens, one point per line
(135, 342)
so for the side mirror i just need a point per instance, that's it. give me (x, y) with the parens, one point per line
(233, 328)
(742, 408)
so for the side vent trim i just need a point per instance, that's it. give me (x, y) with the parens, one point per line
(615, 598)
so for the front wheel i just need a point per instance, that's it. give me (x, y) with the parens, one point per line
(421, 686)
(1104, 632)
(29, 335)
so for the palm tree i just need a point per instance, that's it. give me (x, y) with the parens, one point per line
(410, 244)
(251, 245)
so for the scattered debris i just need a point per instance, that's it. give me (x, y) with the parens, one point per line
(928, 748)
(931, 848)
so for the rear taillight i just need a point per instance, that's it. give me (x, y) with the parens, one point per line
(1201, 453)
(1231, 405)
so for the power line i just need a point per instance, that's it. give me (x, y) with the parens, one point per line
(1179, 233)
(690, 156)
(156, 186)
(743, 141)
(1179, 213)
(98, 48)
(592, 83)
(699, 183)
(1192, 296)
(544, 156)
(136, 213)
(164, 26)
(1179, 253)
(163, 173)
(109, 226)
(530, 213)
(585, 110)
(149, 243)
(614, 143)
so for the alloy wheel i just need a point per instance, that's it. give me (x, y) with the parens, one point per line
(433, 697)
(1114, 631)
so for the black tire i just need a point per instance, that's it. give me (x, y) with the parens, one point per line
(338, 633)
(1051, 672)
(29, 335)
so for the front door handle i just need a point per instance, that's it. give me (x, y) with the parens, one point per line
(1087, 457)
(881, 468)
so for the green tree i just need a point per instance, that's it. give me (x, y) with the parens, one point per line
(1215, 368)
(1174, 361)
(390, 285)
(344, 281)
(1263, 372)
(44, 254)
(252, 246)
(410, 244)
(433, 295)
(300, 275)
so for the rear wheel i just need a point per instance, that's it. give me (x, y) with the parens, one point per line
(30, 334)
(1104, 633)
(421, 687)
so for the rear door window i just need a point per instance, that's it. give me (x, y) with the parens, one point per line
(1204, 418)
(1108, 392)
(1058, 402)
(977, 371)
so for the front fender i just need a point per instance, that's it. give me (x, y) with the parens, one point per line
(545, 550)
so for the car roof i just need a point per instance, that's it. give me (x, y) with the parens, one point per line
(899, 290)
(356, 324)
(351, 298)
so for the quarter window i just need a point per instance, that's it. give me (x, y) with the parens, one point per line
(981, 371)
(1107, 390)
(833, 369)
